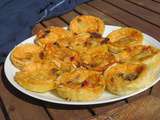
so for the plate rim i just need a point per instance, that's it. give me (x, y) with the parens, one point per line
(118, 98)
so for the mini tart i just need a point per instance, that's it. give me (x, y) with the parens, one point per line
(53, 52)
(37, 77)
(123, 79)
(85, 23)
(142, 52)
(80, 85)
(97, 58)
(86, 40)
(25, 54)
(51, 35)
(126, 34)
(137, 53)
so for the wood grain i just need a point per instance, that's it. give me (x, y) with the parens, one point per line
(146, 108)
(69, 16)
(148, 4)
(137, 11)
(126, 18)
(156, 90)
(138, 96)
(54, 22)
(107, 107)
(69, 114)
(157, 1)
(36, 28)
(88, 10)
(18, 105)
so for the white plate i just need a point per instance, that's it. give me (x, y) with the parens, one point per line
(107, 97)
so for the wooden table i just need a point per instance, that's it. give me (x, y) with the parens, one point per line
(141, 14)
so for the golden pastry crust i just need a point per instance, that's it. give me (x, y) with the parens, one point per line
(63, 57)
(123, 79)
(25, 54)
(81, 85)
(86, 23)
(51, 35)
(37, 77)
(97, 58)
(126, 35)
(81, 42)
(136, 53)
(142, 52)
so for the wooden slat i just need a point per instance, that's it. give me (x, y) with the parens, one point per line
(62, 113)
(107, 107)
(55, 22)
(156, 90)
(69, 114)
(148, 4)
(137, 11)
(126, 18)
(147, 108)
(140, 95)
(36, 28)
(69, 16)
(20, 106)
(88, 10)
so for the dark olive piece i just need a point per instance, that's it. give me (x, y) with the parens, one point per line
(79, 20)
(95, 35)
(54, 70)
(41, 55)
(55, 43)
(105, 41)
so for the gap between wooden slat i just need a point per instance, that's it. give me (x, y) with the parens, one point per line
(3, 111)
(156, 1)
(69, 16)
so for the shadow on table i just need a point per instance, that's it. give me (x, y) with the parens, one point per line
(41, 103)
